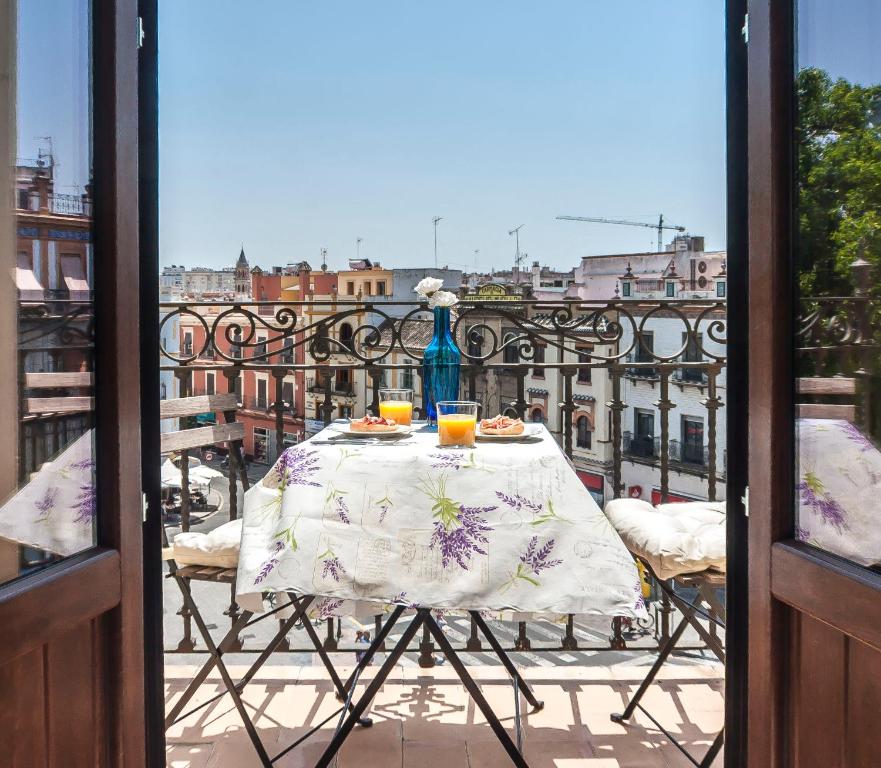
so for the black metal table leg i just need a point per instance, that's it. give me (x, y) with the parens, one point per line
(474, 691)
(358, 709)
(506, 661)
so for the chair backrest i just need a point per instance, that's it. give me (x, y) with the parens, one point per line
(841, 391)
(58, 404)
(201, 437)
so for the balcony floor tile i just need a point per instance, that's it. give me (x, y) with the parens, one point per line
(425, 718)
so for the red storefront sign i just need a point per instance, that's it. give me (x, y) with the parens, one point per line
(591, 481)
(672, 498)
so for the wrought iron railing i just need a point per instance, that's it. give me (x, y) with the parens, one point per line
(495, 338)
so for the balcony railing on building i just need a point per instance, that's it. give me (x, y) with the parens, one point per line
(579, 343)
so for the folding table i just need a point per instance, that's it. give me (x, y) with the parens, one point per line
(500, 530)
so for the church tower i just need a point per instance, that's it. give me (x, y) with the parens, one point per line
(243, 275)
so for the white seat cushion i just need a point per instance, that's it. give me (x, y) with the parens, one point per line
(219, 548)
(673, 538)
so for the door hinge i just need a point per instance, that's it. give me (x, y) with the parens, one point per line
(745, 501)
(744, 30)
(140, 32)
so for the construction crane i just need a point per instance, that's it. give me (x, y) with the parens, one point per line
(660, 226)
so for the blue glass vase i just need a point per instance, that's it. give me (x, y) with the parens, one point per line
(440, 366)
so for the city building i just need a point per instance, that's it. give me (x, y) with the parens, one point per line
(207, 283)
(53, 277)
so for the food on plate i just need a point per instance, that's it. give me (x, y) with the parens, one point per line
(373, 424)
(501, 425)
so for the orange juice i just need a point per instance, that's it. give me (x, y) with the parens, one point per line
(456, 428)
(399, 410)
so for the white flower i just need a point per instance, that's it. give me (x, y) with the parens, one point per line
(429, 285)
(442, 299)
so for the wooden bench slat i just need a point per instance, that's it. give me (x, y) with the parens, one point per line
(59, 379)
(59, 404)
(826, 411)
(193, 406)
(201, 437)
(826, 386)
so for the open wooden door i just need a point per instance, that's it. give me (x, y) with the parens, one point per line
(815, 443)
(71, 628)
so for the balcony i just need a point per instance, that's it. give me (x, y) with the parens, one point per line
(566, 646)
(341, 389)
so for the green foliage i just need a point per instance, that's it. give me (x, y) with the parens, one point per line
(839, 180)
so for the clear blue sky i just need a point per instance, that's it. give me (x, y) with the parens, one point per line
(292, 126)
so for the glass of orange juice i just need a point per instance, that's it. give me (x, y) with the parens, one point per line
(456, 423)
(396, 404)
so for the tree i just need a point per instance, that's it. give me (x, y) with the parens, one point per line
(839, 181)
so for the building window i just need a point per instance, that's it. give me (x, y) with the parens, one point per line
(671, 290)
(643, 353)
(380, 287)
(367, 289)
(345, 411)
(474, 344)
(350, 288)
(346, 336)
(539, 357)
(584, 373)
(407, 375)
(261, 444)
(693, 440)
(236, 347)
(720, 289)
(290, 439)
(209, 383)
(625, 290)
(260, 348)
(582, 433)
(24, 199)
(188, 342)
(536, 416)
(692, 354)
(511, 354)
(643, 443)
(287, 395)
(287, 352)
(163, 390)
(237, 388)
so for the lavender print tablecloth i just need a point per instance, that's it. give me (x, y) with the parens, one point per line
(839, 490)
(55, 511)
(503, 527)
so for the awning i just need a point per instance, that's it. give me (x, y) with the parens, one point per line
(29, 288)
(590, 480)
(74, 279)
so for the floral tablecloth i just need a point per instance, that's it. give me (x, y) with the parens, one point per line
(55, 510)
(505, 527)
(839, 490)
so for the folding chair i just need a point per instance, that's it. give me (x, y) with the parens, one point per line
(182, 442)
(300, 606)
(706, 605)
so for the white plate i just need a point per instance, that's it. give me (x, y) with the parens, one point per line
(346, 429)
(529, 430)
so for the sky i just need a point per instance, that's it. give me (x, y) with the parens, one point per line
(53, 58)
(289, 126)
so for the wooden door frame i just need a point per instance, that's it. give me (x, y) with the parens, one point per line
(784, 574)
(148, 150)
(48, 602)
(737, 443)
